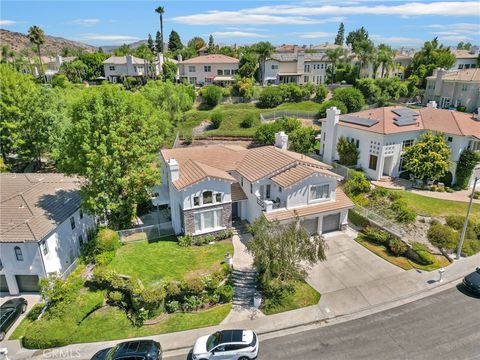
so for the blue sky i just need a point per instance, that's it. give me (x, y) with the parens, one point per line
(398, 23)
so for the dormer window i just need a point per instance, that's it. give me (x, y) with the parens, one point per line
(207, 197)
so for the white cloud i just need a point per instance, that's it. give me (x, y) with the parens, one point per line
(454, 38)
(7, 22)
(395, 40)
(315, 35)
(109, 38)
(458, 30)
(240, 18)
(238, 34)
(85, 22)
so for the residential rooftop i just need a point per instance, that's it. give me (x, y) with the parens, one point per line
(211, 59)
(472, 75)
(32, 205)
(119, 60)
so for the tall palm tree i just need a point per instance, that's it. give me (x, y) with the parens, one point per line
(37, 38)
(386, 57)
(264, 50)
(335, 56)
(364, 51)
(161, 10)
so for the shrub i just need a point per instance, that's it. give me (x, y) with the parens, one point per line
(188, 138)
(397, 247)
(360, 200)
(378, 193)
(322, 112)
(351, 97)
(224, 234)
(190, 303)
(35, 311)
(321, 93)
(466, 163)
(456, 221)
(442, 236)
(212, 94)
(216, 119)
(248, 121)
(376, 236)
(265, 133)
(115, 297)
(302, 140)
(153, 299)
(357, 184)
(357, 219)
(186, 240)
(194, 286)
(347, 151)
(173, 289)
(49, 333)
(225, 293)
(172, 306)
(104, 258)
(405, 215)
(423, 254)
(471, 247)
(275, 293)
(107, 240)
(291, 92)
(271, 97)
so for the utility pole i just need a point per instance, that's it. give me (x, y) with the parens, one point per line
(464, 230)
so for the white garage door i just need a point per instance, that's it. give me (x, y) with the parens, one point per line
(27, 283)
(331, 223)
(310, 225)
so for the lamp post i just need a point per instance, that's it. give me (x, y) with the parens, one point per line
(465, 224)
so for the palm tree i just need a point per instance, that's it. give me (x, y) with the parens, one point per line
(335, 56)
(386, 56)
(161, 10)
(264, 50)
(37, 38)
(365, 50)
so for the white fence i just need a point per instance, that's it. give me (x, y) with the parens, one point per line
(341, 170)
(71, 268)
(150, 232)
(300, 114)
(386, 224)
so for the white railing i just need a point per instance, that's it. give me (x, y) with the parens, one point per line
(71, 268)
(301, 114)
(380, 221)
(150, 232)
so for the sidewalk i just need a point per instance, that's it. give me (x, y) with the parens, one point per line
(410, 287)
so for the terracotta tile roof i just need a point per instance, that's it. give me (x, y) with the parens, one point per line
(464, 54)
(193, 171)
(211, 59)
(447, 121)
(341, 202)
(472, 75)
(298, 173)
(237, 192)
(32, 205)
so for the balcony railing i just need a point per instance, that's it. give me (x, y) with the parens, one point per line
(268, 205)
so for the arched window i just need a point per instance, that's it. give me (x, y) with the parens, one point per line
(207, 197)
(18, 253)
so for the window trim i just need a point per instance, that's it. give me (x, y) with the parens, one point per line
(312, 200)
(18, 253)
(216, 220)
(370, 162)
(72, 222)
(44, 247)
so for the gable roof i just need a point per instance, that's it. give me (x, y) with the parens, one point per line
(32, 205)
(211, 59)
(194, 171)
(298, 173)
(464, 54)
(119, 60)
(472, 75)
(441, 120)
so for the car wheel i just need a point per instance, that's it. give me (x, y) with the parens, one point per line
(244, 358)
(24, 308)
(2, 335)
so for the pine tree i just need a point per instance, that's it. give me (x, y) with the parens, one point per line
(150, 43)
(211, 43)
(174, 42)
(158, 42)
(340, 35)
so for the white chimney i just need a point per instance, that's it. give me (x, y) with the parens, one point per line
(180, 58)
(281, 140)
(129, 60)
(432, 104)
(174, 169)
(329, 134)
(160, 59)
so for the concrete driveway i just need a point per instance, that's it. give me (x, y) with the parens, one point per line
(352, 277)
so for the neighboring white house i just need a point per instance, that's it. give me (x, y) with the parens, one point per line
(208, 187)
(209, 69)
(42, 228)
(51, 65)
(465, 59)
(118, 67)
(454, 88)
(382, 134)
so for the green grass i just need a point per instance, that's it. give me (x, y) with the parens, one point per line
(437, 207)
(152, 262)
(401, 261)
(304, 296)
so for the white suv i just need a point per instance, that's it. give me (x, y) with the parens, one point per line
(227, 344)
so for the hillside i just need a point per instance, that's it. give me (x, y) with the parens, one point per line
(53, 45)
(109, 49)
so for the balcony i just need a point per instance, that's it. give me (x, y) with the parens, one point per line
(268, 205)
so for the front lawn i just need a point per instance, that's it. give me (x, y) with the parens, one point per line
(303, 296)
(152, 262)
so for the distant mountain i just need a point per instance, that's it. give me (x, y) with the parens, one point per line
(109, 49)
(53, 44)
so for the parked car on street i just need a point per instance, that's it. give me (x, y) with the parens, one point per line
(9, 313)
(227, 344)
(137, 349)
(472, 281)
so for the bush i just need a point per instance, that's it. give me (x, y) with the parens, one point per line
(347, 151)
(442, 236)
(357, 219)
(225, 293)
(321, 93)
(248, 121)
(35, 312)
(397, 247)
(211, 95)
(423, 254)
(107, 240)
(186, 240)
(405, 215)
(190, 303)
(187, 138)
(216, 119)
(115, 297)
(49, 333)
(275, 293)
(104, 258)
(456, 222)
(351, 97)
(378, 193)
(376, 236)
(360, 200)
(270, 97)
(173, 306)
(357, 184)
(153, 299)
(193, 286)
(322, 112)
(224, 234)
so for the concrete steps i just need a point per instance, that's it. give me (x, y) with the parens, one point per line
(240, 228)
(244, 285)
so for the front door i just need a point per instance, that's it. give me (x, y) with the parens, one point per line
(235, 211)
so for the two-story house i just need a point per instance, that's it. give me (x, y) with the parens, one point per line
(208, 187)
(51, 66)
(209, 69)
(454, 88)
(41, 228)
(465, 59)
(382, 134)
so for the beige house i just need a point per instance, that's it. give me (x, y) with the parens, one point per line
(454, 88)
(209, 69)
(51, 66)
(465, 59)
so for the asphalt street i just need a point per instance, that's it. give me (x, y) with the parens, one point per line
(441, 326)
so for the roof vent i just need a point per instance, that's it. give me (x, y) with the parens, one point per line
(21, 206)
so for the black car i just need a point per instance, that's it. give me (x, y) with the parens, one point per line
(131, 350)
(9, 312)
(472, 281)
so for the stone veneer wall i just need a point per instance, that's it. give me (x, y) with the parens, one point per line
(189, 222)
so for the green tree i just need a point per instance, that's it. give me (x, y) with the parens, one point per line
(351, 97)
(340, 38)
(150, 43)
(264, 50)
(60, 80)
(211, 44)
(112, 143)
(174, 42)
(123, 50)
(464, 46)
(291, 92)
(169, 71)
(75, 70)
(228, 51)
(94, 62)
(322, 112)
(386, 56)
(143, 52)
(334, 56)
(244, 87)
(366, 54)
(282, 251)
(355, 37)
(391, 89)
(466, 163)
(370, 90)
(428, 158)
(37, 37)
(347, 152)
(212, 94)
(196, 42)
(160, 11)
(302, 140)
(270, 97)
(321, 92)
(159, 42)
(248, 65)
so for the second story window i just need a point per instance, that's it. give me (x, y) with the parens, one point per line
(207, 197)
(191, 68)
(407, 144)
(307, 68)
(207, 68)
(220, 72)
(227, 72)
(464, 87)
(72, 222)
(218, 197)
(319, 192)
(267, 191)
(81, 214)
(111, 68)
(196, 201)
(274, 66)
(45, 248)
(18, 253)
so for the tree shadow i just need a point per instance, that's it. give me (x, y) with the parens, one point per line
(61, 204)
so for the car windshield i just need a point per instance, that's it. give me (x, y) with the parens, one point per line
(111, 353)
(213, 340)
